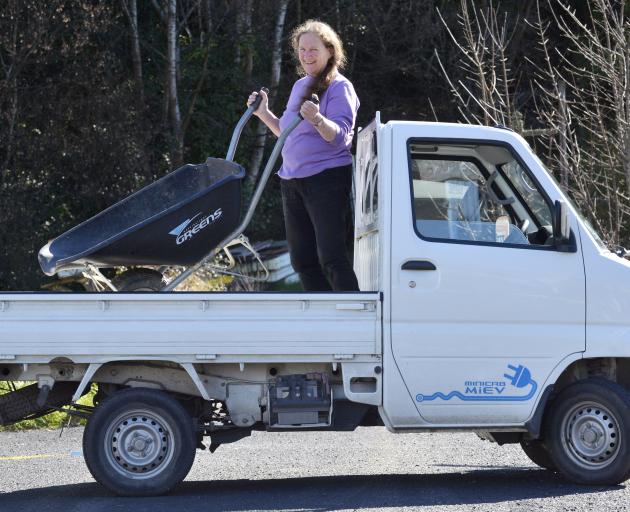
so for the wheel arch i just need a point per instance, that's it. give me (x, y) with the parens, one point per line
(170, 376)
(615, 369)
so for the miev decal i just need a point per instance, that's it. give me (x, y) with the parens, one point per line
(494, 390)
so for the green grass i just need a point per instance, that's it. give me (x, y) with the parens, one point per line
(54, 420)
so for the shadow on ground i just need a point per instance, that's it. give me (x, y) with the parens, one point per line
(320, 493)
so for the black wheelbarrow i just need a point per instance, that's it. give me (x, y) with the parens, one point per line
(182, 220)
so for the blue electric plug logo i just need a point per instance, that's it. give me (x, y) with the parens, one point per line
(522, 376)
(491, 390)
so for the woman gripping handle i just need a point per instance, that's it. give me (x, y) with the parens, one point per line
(316, 174)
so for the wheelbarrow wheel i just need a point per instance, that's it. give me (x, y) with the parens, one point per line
(139, 280)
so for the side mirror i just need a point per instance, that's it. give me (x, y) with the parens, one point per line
(562, 236)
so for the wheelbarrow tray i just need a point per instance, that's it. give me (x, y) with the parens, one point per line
(176, 220)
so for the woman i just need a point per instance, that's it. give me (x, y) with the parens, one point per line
(317, 166)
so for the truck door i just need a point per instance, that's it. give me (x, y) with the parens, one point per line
(484, 306)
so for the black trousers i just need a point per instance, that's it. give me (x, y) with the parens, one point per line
(317, 218)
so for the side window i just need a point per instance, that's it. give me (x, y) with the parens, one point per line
(367, 181)
(467, 198)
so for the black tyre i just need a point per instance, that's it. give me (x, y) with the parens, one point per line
(588, 432)
(139, 442)
(538, 453)
(139, 280)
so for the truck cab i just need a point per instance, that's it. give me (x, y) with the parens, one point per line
(480, 294)
(498, 294)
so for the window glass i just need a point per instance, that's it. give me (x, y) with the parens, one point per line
(366, 180)
(458, 198)
(528, 191)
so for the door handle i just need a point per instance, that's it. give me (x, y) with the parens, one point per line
(418, 265)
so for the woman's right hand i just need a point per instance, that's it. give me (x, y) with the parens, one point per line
(264, 104)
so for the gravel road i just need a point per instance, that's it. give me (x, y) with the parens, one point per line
(369, 469)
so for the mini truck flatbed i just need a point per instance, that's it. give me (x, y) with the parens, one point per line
(191, 327)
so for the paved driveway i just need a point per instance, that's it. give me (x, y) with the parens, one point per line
(366, 470)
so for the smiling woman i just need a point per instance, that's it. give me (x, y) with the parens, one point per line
(313, 54)
(317, 166)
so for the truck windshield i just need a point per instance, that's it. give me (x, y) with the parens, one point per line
(594, 235)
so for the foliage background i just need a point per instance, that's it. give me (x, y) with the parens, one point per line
(78, 132)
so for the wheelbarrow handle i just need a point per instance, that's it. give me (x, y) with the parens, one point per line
(254, 106)
(241, 124)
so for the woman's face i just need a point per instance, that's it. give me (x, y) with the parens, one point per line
(313, 54)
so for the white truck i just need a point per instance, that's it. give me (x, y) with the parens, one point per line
(487, 305)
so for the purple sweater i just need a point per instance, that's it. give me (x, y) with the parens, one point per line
(305, 152)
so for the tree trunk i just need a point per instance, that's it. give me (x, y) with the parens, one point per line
(197, 92)
(276, 62)
(131, 10)
(207, 14)
(12, 112)
(249, 44)
(177, 152)
(9, 96)
(244, 49)
(563, 134)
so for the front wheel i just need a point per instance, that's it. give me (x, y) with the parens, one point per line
(538, 453)
(588, 432)
(139, 442)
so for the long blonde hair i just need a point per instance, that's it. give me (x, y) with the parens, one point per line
(332, 42)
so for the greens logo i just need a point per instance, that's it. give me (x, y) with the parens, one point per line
(190, 227)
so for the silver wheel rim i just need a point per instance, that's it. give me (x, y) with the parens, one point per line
(139, 444)
(591, 435)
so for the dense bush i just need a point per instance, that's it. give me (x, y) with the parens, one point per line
(80, 128)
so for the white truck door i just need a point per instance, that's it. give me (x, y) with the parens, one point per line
(484, 306)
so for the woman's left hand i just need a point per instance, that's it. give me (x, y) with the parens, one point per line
(310, 112)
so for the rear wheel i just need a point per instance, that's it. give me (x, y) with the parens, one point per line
(139, 280)
(139, 442)
(538, 453)
(588, 432)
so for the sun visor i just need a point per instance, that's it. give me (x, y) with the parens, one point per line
(496, 155)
